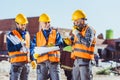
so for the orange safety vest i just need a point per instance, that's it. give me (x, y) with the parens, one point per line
(53, 56)
(17, 56)
(81, 50)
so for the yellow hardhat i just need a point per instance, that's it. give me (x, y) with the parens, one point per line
(21, 19)
(78, 14)
(44, 18)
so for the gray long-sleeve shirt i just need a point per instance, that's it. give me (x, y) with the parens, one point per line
(88, 38)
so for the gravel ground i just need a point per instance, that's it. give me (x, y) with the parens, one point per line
(5, 66)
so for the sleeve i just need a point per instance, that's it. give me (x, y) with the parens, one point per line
(59, 40)
(11, 47)
(32, 46)
(64, 44)
(87, 40)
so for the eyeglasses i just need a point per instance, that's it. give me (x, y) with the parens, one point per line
(21, 24)
(47, 22)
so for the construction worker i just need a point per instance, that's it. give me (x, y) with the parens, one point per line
(18, 43)
(65, 60)
(83, 48)
(49, 62)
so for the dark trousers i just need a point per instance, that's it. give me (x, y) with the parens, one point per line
(19, 72)
(68, 74)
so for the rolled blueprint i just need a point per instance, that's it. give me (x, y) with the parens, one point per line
(44, 50)
(14, 39)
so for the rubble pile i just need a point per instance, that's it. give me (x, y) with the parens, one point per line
(116, 70)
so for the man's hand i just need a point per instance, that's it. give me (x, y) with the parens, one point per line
(75, 31)
(67, 41)
(23, 42)
(24, 50)
(36, 55)
(33, 64)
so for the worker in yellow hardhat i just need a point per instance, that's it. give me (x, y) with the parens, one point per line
(47, 37)
(18, 44)
(83, 48)
(65, 60)
(21, 19)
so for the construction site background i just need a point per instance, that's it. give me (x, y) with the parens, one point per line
(110, 46)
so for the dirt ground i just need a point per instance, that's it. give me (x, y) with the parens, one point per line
(5, 66)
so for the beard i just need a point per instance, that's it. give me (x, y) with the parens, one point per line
(79, 27)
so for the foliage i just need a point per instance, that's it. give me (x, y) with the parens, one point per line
(105, 71)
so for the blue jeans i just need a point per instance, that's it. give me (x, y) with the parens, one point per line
(19, 71)
(45, 68)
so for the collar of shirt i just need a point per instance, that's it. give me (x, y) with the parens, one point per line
(23, 33)
(46, 33)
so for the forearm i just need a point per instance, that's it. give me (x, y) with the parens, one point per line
(12, 47)
(32, 46)
(59, 40)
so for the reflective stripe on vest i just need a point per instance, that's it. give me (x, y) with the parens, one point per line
(54, 56)
(17, 56)
(81, 50)
(41, 41)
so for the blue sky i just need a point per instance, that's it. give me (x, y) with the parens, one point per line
(101, 14)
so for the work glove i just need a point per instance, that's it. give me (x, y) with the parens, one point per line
(33, 64)
(67, 41)
(50, 45)
(36, 55)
